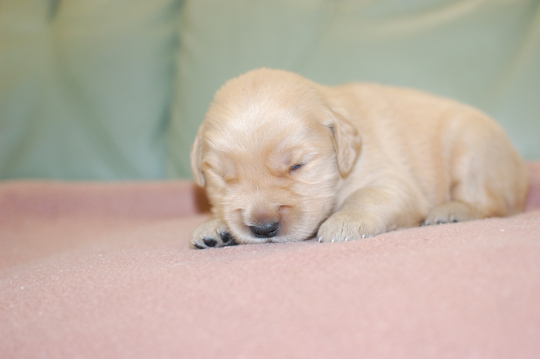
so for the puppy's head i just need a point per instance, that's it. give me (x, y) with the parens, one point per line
(270, 154)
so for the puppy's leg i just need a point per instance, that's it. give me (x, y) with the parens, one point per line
(370, 211)
(453, 211)
(488, 178)
(212, 233)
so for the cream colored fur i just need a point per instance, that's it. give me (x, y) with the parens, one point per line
(285, 159)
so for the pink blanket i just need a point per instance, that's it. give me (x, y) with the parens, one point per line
(93, 270)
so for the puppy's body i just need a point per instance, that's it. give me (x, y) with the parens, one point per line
(284, 159)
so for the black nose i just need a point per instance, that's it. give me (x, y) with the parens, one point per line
(265, 230)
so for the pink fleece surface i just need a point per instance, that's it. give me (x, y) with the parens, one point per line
(92, 270)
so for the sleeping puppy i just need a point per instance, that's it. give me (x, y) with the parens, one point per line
(284, 159)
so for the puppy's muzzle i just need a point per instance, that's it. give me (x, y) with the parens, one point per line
(265, 230)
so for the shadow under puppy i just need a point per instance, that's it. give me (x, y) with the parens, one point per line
(285, 159)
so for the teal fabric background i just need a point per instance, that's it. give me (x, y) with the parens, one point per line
(115, 89)
(85, 88)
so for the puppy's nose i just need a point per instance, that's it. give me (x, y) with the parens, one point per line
(265, 230)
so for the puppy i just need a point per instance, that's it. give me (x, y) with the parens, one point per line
(285, 159)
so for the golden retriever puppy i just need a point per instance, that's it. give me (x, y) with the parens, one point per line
(285, 159)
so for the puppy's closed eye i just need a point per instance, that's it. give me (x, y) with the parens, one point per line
(286, 161)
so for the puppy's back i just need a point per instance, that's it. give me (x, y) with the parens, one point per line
(434, 144)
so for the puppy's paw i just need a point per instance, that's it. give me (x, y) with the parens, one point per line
(211, 234)
(342, 227)
(451, 212)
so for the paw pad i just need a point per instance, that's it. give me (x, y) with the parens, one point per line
(210, 242)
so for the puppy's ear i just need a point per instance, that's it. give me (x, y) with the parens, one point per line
(196, 160)
(347, 142)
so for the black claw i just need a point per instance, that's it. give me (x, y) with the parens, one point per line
(210, 242)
